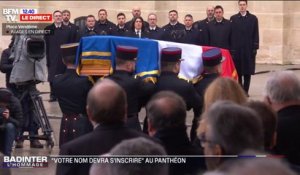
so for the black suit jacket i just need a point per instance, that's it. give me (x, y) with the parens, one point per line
(288, 134)
(192, 36)
(155, 34)
(87, 32)
(58, 36)
(203, 84)
(72, 100)
(6, 66)
(137, 91)
(105, 28)
(176, 142)
(174, 33)
(74, 30)
(244, 42)
(98, 142)
(120, 31)
(202, 27)
(144, 34)
(219, 33)
(170, 81)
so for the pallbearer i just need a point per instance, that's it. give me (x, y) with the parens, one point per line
(71, 90)
(137, 91)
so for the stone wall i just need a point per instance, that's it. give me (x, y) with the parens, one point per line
(279, 29)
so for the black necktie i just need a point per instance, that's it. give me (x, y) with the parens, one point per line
(138, 33)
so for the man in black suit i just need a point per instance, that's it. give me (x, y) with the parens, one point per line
(137, 91)
(60, 34)
(166, 114)
(66, 15)
(74, 122)
(219, 30)
(136, 12)
(90, 28)
(107, 110)
(202, 25)
(121, 29)
(104, 26)
(155, 32)
(174, 31)
(283, 95)
(191, 36)
(244, 43)
(168, 80)
(138, 30)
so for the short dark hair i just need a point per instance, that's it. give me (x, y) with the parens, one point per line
(120, 14)
(171, 117)
(234, 127)
(102, 10)
(90, 16)
(56, 12)
(268, 117)
(107, 108)
(243, 1)
(174, 11)
(188, 15)
(219, 7)
(66, 11)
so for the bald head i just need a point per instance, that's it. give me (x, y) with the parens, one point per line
(136, 11)
(166, 110)
(210, 12)
(106, 103)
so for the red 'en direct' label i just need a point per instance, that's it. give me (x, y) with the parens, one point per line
(36, 17)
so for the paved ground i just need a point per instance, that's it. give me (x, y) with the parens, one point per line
(256, 92)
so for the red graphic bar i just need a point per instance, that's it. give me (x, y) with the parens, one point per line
(36, 17)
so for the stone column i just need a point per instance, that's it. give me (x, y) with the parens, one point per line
(291, 32)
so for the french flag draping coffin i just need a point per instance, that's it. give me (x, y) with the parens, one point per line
(96, 56)
(101, 50)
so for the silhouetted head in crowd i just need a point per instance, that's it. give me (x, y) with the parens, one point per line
(269, 121)
(224, 89)
(166, 110)
(229, 130)
(136, 146)
(253, 166)
(282, 89)
(106, 103)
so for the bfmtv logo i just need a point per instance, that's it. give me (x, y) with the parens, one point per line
(10, 14)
